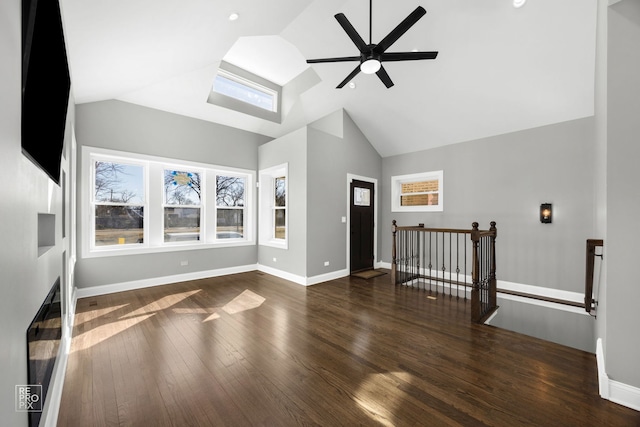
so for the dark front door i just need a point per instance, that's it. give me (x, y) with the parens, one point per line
(362, 209)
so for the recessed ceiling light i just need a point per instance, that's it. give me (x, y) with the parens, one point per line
(352, 85)
(233, 16)
(519, 3)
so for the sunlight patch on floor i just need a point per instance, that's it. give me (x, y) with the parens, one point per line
(161, 304)
(102, 333)
(379, 397)
(212, 314)
(247, 300)
(87, 316)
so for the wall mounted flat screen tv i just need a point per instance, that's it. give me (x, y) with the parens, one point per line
(45, 85)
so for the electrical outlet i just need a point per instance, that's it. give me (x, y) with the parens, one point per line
(326, 263)
(183, 263)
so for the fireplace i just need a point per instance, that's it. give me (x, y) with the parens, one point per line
(43, 342)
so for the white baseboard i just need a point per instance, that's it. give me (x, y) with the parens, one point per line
(624, 394)
(301, 280)
(615, 391)
(314, 280)
(382, 264)
(603, 378)
(157, 281)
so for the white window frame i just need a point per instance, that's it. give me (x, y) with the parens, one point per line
(267, 206)
(201, 206)
(153, 238)
(251, 85)
(247, 190)
(396, 191)
(90, 165)
(254, 81)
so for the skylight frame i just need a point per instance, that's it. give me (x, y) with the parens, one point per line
(239, 106)
(252, 86)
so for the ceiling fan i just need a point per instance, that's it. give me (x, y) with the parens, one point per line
(372, 55)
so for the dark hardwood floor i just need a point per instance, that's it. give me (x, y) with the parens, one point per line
(254, 350)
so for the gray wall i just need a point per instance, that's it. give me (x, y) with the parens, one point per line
(319, 157)
(127, 127)
(291, 149)
(622, 343)
(504, 179)
(26, 277)
(330, 159)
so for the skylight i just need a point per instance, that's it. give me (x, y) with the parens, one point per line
(244, 90)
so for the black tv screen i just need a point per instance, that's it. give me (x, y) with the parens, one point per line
(45, 85)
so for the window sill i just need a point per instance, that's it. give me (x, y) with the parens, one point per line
(275, 244)
(172, 247)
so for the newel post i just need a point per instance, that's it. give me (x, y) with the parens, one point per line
(394, 265)
(493, 290)
(475, 274)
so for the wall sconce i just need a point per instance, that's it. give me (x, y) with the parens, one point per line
(545, 213)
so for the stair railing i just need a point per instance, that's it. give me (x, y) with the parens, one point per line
(447, 261)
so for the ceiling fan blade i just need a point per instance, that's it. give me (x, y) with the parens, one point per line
(382, 73)
(351, 32)
(341, 59)
(349, 77)
(402, 28)
(407, 56)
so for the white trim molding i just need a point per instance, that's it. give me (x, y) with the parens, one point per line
(301, 280)
(157, 281)
(615, 391)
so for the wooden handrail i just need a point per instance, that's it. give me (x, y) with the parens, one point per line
(541, 298)
(592, 244)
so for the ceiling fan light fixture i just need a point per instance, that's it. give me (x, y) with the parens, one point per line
(519, 3)
(370, 66)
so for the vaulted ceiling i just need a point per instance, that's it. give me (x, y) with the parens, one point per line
(500, 69)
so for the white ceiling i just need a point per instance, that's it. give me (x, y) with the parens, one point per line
(500, 69)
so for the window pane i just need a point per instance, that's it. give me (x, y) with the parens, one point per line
(229, 191)
(419, 200)
(118, 183)
(182, 188)
(181, 224)
(280, 193)
(280, 231)
(118, 225)
(361, 196)
(244, 93)
(230, 224)
(420, 187)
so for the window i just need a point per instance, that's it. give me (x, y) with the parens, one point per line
(280, 208)
(141, 204)
(182, 198)
(245, 90)
(273, 207)
(239, 90)
(118, 203)
(422, 192)
(230, 193)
